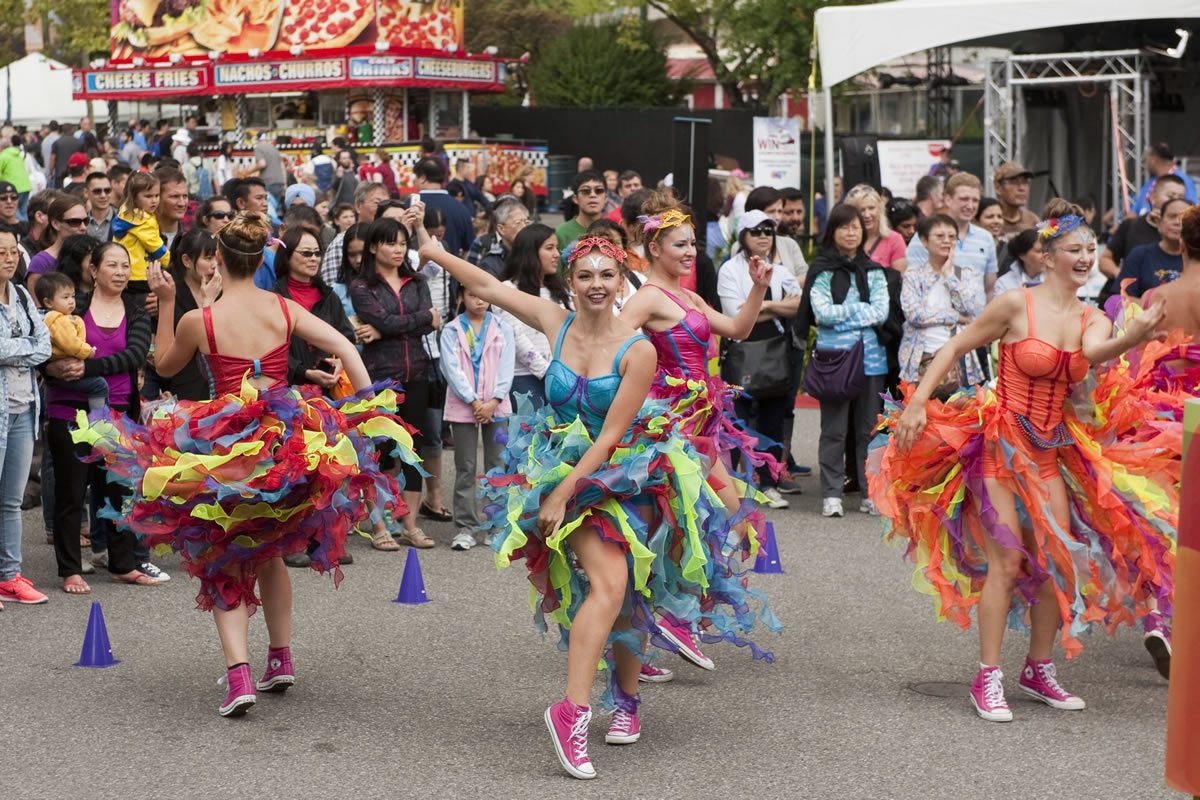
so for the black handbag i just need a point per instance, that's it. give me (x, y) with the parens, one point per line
(834, 376)
(761, 367)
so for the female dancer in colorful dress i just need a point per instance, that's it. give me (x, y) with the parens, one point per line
(238, 482)
(1006, 498)
(679, 324)
(607, 505)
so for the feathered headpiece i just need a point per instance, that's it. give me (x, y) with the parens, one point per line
(1058, 226)
(598, 245)
(653, 225)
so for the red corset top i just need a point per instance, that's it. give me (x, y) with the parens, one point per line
(228, 371)
(1036, 376)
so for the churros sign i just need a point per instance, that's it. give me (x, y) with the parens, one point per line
(158, 28)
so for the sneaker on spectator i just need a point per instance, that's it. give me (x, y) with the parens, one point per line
(832, 507)
(868, 507)
(146, 568)
(774, 498)
(20, 590)
(800, 470)
(100, 559)
(788, 486)
(297, 560)
(87, 567)
(463, 541)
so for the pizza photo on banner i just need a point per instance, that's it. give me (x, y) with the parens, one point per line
(158, 28)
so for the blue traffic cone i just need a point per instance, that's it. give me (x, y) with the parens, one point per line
(768, 555)
(412, 585)
(97, 652)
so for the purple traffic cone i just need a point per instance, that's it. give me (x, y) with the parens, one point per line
(97, 652)
(767, 562)
(412, 585)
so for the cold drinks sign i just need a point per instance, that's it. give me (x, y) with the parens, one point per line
(776, 152)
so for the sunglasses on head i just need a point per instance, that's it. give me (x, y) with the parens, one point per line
(763, 230)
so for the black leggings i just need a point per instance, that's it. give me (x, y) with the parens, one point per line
(415, 411)
(768, 422)
(71, 479)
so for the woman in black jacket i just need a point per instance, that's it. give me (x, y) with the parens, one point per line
(298, 263)
(394, 298)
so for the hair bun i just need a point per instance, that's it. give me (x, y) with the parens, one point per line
(250, 227)
(1191, 231)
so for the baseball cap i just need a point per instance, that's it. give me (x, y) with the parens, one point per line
(752, 219)
(1009, 170)
(7, 188)
(77, 160)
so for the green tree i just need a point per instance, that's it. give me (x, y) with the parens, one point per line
(78, 29)
(608, 65)
(758, 49)
(515, 28)
(12, 33)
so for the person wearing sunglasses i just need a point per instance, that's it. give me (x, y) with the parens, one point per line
(15, 173)
(590, 196)
(101, 211)
(67, 217)
(214, 213)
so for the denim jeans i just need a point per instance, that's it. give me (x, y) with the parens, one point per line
(16, 454)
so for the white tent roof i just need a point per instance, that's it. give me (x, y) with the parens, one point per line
(853, 39)
(41, 91)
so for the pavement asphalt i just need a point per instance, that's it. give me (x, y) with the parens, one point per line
(445, 699)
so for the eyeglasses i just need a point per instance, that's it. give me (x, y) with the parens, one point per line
(8, 198)
(308, 253)
(590, 191)
(220, 215)
(763, 231)
(102, 190)
(75, 222)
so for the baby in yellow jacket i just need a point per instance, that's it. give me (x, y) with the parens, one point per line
(68, 337)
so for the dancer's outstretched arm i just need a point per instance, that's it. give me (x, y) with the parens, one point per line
(1099, 346)
(537, 312)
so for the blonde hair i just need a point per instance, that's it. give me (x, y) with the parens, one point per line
(865, 191)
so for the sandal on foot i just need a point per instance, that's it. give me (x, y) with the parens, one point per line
(383, 541)
(135, 578)
(75, 584)
(415, 538)
(441, 515)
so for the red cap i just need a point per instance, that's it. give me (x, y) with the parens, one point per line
(77, 160)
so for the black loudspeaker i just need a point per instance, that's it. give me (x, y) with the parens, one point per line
(690, 168)
(860, 161)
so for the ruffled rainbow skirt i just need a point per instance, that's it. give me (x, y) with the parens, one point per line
(1115, 553)
(651, 499)
(233, 482)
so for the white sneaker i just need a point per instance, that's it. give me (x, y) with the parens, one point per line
(100, 559)
(868, 507)
(146, 568)
(832, 507)
(774, 498)
(463, 541)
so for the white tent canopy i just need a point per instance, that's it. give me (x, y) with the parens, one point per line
(41, 91)
(853, 39)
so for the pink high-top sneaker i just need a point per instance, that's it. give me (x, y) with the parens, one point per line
(1039, 682)
(240, 697)
(568, 724)
(987, 695)
(280, 674)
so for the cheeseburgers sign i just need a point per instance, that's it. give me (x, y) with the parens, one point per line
(158, 28)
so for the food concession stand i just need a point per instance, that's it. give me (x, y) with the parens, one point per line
(379, 73)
